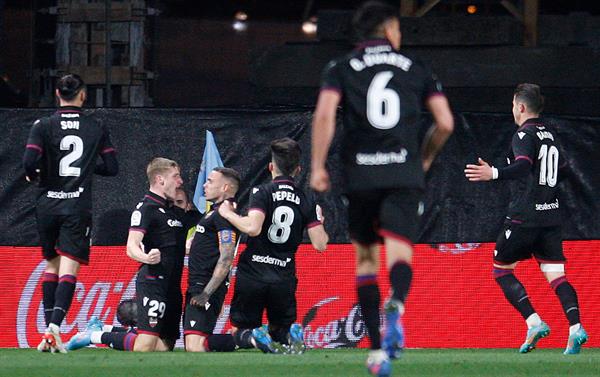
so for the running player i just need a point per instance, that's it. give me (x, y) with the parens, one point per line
(278, 213)
(532, 227)
(62, 150)
(382, 92)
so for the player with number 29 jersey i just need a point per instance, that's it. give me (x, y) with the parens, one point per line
(269, 257)
(380, 144)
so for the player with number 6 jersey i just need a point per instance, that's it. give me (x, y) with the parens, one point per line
(278, 214)
(63, 150)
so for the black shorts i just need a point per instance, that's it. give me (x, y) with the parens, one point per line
(516, 242)
(159, 307)
(391, 213)
(251, 297)
(67, 235)
(202, 321)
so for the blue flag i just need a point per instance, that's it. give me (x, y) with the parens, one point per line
(210, 160)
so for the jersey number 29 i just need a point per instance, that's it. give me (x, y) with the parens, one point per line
(65, 168)
(281, 224)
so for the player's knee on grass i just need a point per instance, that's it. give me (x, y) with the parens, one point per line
(195, 343)
(145, 343)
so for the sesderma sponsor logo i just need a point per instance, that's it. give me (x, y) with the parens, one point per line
(270, 260)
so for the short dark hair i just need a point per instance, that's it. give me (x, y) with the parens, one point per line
(127, 313)
(69, 86)
(531, 95)
(369, 17)
(285, 153)
(232, 175)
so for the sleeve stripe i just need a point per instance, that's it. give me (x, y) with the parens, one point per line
(524, 158)
(107, 150)
(435, 94)
(313, 224)
(35, 146)
(256, 209)
(332, 89)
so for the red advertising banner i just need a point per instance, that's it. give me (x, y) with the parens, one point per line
(454, 301)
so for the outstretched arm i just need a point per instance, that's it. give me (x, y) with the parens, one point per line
(323, 130)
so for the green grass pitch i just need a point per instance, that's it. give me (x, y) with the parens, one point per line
(314, 363)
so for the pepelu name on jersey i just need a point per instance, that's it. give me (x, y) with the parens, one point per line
(381, 158)
(546, 206)
(545, 135)
(285, 195)
(390, 58)
(69, 124)
(64, 195)
(270, 260)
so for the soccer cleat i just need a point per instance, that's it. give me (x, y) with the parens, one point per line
(94, 324)
(578, 338)
(262, 340)
(393, 337)
(53, 337)
(378, 364)
(46, 344)
(534, 334)
(296, 339)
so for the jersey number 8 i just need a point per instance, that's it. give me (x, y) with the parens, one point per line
(280, 229)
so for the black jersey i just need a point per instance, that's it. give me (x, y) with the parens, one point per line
(69, 142)
(534, 198)
(163, 230)
(204, 252)
(383, 92)
(270, 256)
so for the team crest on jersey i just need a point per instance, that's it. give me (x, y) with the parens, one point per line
(152, 321)
(136, 218)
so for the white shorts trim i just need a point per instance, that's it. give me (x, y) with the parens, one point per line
(552, 267)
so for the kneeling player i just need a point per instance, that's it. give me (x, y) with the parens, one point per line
(211, 255)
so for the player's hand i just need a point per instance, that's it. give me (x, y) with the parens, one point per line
(153, 257)
(200, 300)
(480, 172)
(319, 180)
(320, 216)
(427, 164)
(226, 207)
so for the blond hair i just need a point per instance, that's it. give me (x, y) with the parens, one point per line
(159, 166)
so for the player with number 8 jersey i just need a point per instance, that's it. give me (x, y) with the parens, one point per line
(278, 214)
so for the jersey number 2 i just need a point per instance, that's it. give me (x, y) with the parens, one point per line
(281, 224)
(64, 167)
(548, 165)
(383, 104)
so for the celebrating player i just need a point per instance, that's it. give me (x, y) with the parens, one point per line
(62, 150)
(382, 92)
(278, 213)
(532, 226)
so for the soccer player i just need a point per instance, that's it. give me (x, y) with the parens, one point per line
(278, 213)
(382, 92)
(63, 151)
(211, 255)
(191, 215)
(532, 227)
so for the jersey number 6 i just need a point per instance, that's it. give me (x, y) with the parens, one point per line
(383, 104)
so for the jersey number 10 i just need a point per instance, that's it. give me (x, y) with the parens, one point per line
(548, 165)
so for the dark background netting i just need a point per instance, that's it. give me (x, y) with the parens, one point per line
(456, 210)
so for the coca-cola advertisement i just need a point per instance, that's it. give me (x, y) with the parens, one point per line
(454, 300)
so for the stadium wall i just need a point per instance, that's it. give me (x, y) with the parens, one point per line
(456, 210)
(454, 301)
